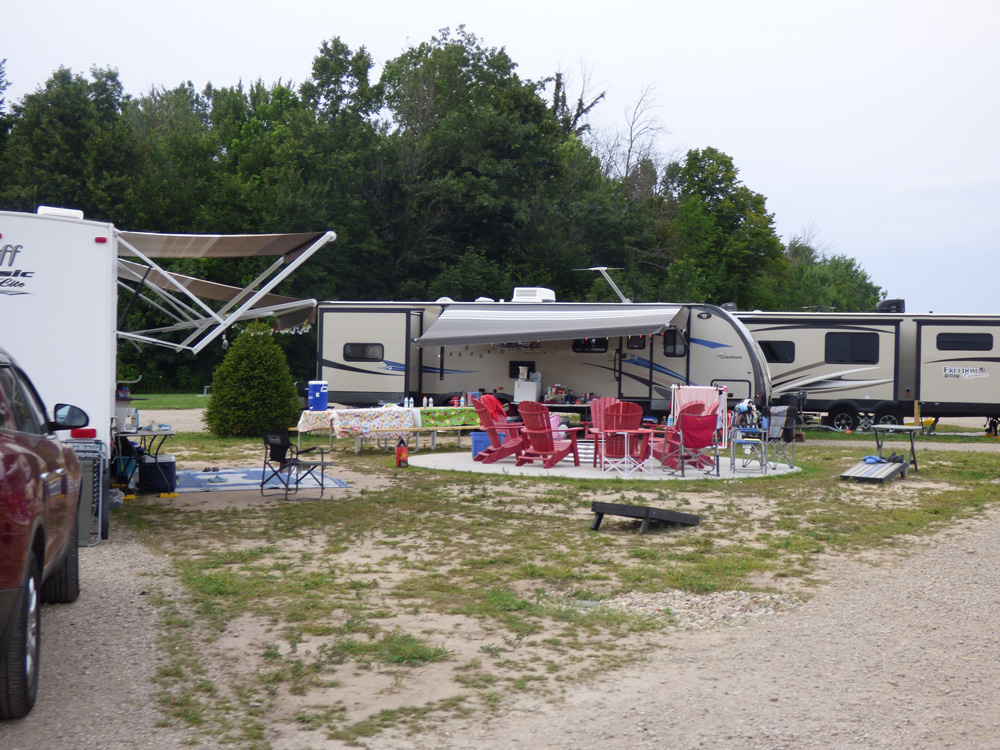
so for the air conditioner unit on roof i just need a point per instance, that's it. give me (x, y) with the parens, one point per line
(533, 294)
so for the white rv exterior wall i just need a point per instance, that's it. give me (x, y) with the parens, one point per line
(59, 309)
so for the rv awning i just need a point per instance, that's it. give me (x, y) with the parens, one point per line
(182, 298)
(290, 311)
(492, 324)
(214, 245)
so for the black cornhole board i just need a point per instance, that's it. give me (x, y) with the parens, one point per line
(643, 512)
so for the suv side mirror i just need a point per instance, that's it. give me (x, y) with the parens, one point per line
(68, 417)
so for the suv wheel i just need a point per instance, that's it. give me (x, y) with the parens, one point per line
(63, 585)
(19, 664)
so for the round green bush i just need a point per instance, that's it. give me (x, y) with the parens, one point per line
(253, 390)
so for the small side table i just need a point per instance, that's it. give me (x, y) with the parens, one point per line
(881, 430)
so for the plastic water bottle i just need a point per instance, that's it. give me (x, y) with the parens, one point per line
(461, 401)
(430, 402)
(425, 402)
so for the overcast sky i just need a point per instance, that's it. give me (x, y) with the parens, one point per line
(871, 126)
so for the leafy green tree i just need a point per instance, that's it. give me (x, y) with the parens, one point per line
(724, 228)
(253, 390)
(68, 146)
(816, 280)
(471, 148)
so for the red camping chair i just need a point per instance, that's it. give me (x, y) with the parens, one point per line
(693, 441)
(504, 438)
(541, 443)
(613, 442)
(598, 407)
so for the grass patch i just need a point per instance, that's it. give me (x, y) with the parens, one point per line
(492, 584)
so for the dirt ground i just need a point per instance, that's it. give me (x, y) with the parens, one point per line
(891, 653)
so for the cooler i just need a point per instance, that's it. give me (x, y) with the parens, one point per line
(481, 441)
(319, 397)
(158, 473)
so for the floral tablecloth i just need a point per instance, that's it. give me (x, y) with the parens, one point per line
(351, 422)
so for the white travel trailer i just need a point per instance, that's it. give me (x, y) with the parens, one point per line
(60, 277)
(882, 366)
(372, 352)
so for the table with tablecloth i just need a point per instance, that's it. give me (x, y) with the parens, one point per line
(390, 423)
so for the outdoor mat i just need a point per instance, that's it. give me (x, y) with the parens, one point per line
(241, 479)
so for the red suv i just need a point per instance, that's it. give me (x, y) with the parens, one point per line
(39, 492)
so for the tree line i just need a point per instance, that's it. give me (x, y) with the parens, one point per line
(449, 175)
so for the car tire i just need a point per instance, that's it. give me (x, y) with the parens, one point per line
(63, 586)
(19, 663)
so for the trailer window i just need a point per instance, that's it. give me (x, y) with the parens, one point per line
(971, 342)
(590, 346)
(782, 352)
(364, 352)
(635, 342)
(849, 348)
(673, 343)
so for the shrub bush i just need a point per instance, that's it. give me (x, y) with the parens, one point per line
(253, 390)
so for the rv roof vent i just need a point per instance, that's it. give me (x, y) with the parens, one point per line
(69, 213)
(891, 306)
(484, 299)
(444, 300)
(533, 294)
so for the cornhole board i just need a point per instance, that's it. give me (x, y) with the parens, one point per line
(877, 473)
(643, 512)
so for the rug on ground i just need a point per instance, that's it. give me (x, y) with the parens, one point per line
(242, 479)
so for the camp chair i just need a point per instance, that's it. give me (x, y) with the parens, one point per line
(619, 450)
(692, 441)
(541, 443)
(751, 444)
(781, 435)
(504, 438)
(598, 407)
(283, 460)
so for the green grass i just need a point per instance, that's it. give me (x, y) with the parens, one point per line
(386, 583)
(169, 401)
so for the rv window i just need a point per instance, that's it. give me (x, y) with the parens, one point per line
(673, 343)
(364, 352)
(590, 346)
(852, 348)
(971, 342)
(635, 342)
(782, 352)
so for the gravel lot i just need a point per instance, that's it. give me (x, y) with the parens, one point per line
(895, 656)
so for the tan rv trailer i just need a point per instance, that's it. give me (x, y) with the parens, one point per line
(882, 366)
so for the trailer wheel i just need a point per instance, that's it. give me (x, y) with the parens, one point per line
(888, 416)
(843, 419)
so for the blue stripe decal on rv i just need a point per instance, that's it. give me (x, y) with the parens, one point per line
(400, 367)
(644, 363)
(710, 344)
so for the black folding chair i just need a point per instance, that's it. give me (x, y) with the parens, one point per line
(284, 461)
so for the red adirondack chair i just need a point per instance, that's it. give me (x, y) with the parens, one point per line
(541, 443)
(613, 442)
(598, 407)
(509, 445)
